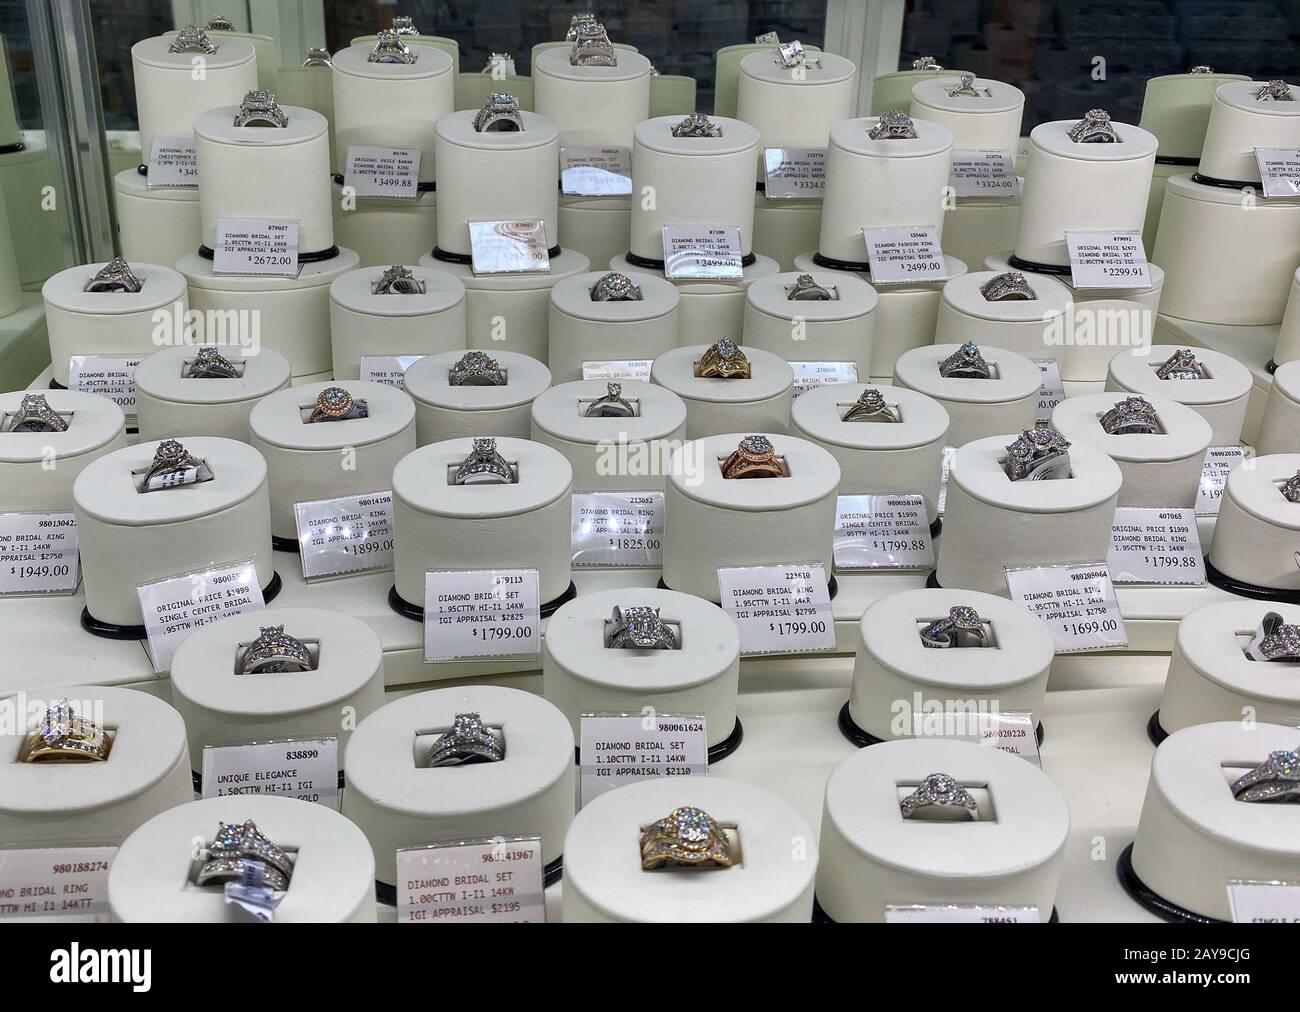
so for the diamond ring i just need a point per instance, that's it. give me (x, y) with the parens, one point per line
(275, 652)
(64, 735)
(958, 628)
(1274, 640)
(926, 63)
(640, 628)
(469, 741)
(404, 24)
(615, 287)
(208, 363)
(318, 57)
(1201, 68)
(755, 457)
(1182, 365)
(1275, 91)
(806, 289)
(1132, 415)
(940, 790)
(688, 837)
(1276, 779)
(114, 276)
(192, 39)
(591, 47)
(612, 405)
(871, 407)
(893, 125)
(792, 54)
(397, 280)
(499, 114)
(171, 466)
(723, 360)
(967, 362)
(260, 109)
(220, 23)
(476, 369)
(389, 48)
(697, 124)
(576, 22)
(334, 404)
(1290, 488)
(966, 88)
(1094, 128)
(1038, 454)
(241, 850)
(484, 465)
(34, 414)
(1009, 286)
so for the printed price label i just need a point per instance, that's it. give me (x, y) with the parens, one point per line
(618, 529)
(1076, 601)
(173, 164)
(621, 748)
(1107, 260)
(38, 553)
(349, 535)
(1149, 545)
(256, 246)
(64, 882)
(767, 38)
(509, 247)
(383, 172)
(618, 369)
(173, 608)
(389, 370)
(469, 614)
(1262, 902)
(882, 532)
(595, 172)
(702, 251)
(783, 609)
(984, 174)
(107, 376)
(904, 255)
(472, 882)
(794, 173)
(1219, 460)
(1053, 389)
(808, 375)
(1279, 171)
(306, 769)
(1014, 731)
(960, 913)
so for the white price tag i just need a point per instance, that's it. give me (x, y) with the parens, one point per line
(256, 246)
(882, 532)
(595, 171)
(173, 163)
(173, 608)
(383, 172)
(960, 913)
(470, 614)
(306, 769)
(1107, 260)
(353, 534)
(509, 247)
(38, 553)
(389, 370)
(794, 173)
(948, 453)
(472, 882)
(984, 174)
(1279, 171)
(622, 748)
(64, 882)
(1076, 601)
(702, 251)
(808, 375)
(618, 369)
(767, 39)
(1264, 902)
(1014, 731)
(784, 609)
(1151, 545)
(904, 255)
(618, 529)
(1053, 389)
(1219, 460)
(107, 376)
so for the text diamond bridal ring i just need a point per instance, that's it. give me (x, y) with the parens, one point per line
(1277, 779)
(961, 627)
(939, 790)
(468, 741)
(688, 837)
(484, 466)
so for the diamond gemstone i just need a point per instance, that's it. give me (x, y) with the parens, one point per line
(756, 444)
(693, 827)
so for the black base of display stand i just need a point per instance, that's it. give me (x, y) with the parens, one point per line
(936, 528)
(290, 545)
(112, 631)
(932, 581)
(717, 752)
(832, 588)
(404, 607)
(1271, 366)
(820, 916)
(1034, 267)
(863, 739)
(552, 873)
(1155, 731)
(1154, 902)
(1176, 160)
(56, 385)
(1250, 590)
(1225, 184)
(9, 149)
(831, 264)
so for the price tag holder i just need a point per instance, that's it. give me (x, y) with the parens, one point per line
(173, 164)
(1279, 171)
(1014, 731)
(389, 370)
(782, 609)
(173, 608)
(882, 532)
(383, 172)
(1076, 601)
(477, 613)
(1151, 545)
(38, 554)
(809, 375)
(256, 246)
(1219, 460)
(106, 375)
(794, 173)
(618, 529)
(702, 252)
(62, 882)
(900, 256)
(960, 913)
(306, 769)
(472, 882)
(1253, 902)
(353, 534)
(1053, 389)
(622, 748)
(984, 174)
(1107, 260)
(618, 369)
(509, 247)
(767, 39)
(595, 171)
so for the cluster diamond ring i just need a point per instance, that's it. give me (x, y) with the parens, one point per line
(893, 125)
(723, 360)
(961, 626)
(64, 735)
(476, 369)
(939, 790)
(639, 627)
(397, 280)
(1131, 416)
(592, 48)
(275, 652)
(1290, 488)
(1037, 454)
(114, 276)
(499, 114)
(755, 457)
(1275, 91)
(688, 837)
(260, 109)
(1094, 128)
(1009, 286)
(697, 124)
(192, 39)
(389, 48)
(615, 287)
(1274, 640)
(468, 741)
